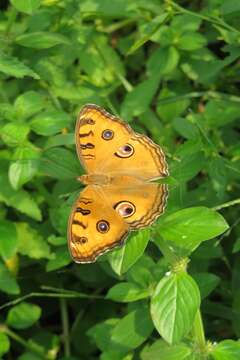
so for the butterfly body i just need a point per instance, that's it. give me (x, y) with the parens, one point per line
(120, 195)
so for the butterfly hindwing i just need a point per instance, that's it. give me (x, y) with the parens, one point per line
(94, 226)
(139, 205)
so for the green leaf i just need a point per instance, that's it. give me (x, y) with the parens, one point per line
(20, 200)
(26, 6)
(188, 166)
(190, 41)
(230, 6)
(8, 283)
(22, 171)
(59, 140)
(185, 128)
(174, 306)
(23, 315)
(138, 100)
(31, 243)
(61, 258)
(187, 228)
(163, 61)
(218, 113)
(60, 163)
(161, 350)
(122, 259)
(169, 111)
(226, 350)
(28, 104)
(57, 240)
(50, 122)
(132, 330)
(8, 239)
(101, 333)
(148, 30)
(14, 134)
(126, 292)
(207, 282)
(12, 66)
(41, 40)
(4, 344)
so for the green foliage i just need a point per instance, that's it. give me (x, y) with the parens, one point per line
(171, 68)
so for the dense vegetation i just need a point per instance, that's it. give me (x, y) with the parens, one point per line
(172, 70)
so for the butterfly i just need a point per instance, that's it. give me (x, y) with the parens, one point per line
(119, 195)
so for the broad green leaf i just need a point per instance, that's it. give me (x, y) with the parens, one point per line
(60, 258)
(41, 40)
(163, 61)
(22, 171)
(168, 111)
(14, 134)
(8, 283)
(57, 240)
(20, 200)
(185, 128)
(23, 315)
(50, 122)
(26, 6)
(31, 243)
(190, 41)
(207, 282)
(187, 228)
(28, 104)
(116, 355)
(147, 31)
(174, 305)
(122, 259)
(188, 166)
(230, 6)
(59, 140)
(12, 66)
(161, 350)
(218, 113)
(29, 356)
(4, 343)
(186, 22)
(101, 333)
(132, 330)
(126, 292)
(138, 100)
(60, 163)
(8, 239)
(226, 350)
(101, 62)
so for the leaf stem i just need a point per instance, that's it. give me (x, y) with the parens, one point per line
(65, 326)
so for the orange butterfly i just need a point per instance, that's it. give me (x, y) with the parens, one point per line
(119, 195)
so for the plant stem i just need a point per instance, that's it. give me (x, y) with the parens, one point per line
(11, 20)
(32, 346)
(65, 326)
(198, 335)
(211, 19)
(227, 204)
(73, 295)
